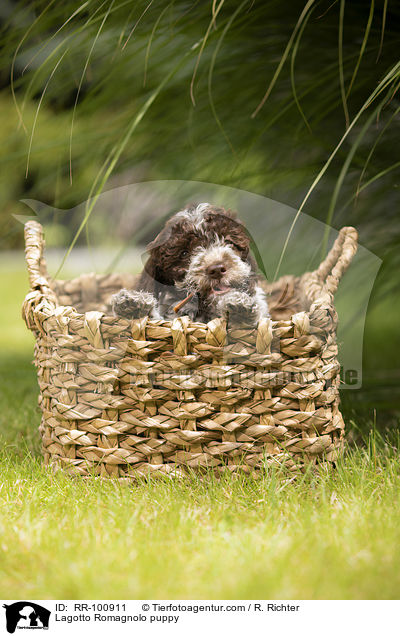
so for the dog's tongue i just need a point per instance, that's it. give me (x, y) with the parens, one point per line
(220, 289)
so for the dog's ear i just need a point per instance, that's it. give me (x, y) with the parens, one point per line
(151, 276)
(161, 238)
(241, 239)
(252, 262)
(236, 234)
(148, 278)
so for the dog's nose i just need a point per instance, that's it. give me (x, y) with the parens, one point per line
(217, 270)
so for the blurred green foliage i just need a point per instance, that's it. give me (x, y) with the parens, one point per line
(81, 72)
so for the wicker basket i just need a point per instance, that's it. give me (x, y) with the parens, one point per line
(125, 398)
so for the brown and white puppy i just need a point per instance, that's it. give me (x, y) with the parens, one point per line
(200, 266)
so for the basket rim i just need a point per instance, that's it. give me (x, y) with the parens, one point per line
(320, 286)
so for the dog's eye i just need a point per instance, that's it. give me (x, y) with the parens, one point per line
(184, 253)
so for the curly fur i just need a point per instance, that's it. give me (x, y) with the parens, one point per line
(205, 251)
(135, 304)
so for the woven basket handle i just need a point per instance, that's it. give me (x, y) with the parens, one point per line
(339, 258)
(34, 256)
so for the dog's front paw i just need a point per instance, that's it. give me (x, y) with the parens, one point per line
(239, 308)
(134, 304)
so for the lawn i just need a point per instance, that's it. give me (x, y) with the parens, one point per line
(322, 536)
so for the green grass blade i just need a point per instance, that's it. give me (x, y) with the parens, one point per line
(363, 45)
(292, 63)
(51, 38)
(211, 71)
(341, 70)
(383, 29)
(365, 185)
(339, 181)
(38, 109)
(78, 92)
(12, 72)
(149, 43)
(137, 23)
(283, 58)
(373, 148)
(203, 44)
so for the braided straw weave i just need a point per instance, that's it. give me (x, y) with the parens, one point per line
(126, 398)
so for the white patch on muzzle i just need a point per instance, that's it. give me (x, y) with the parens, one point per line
(198, 279)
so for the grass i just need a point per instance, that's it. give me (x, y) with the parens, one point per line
(333, 535)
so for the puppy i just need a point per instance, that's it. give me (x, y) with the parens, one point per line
(200, 266)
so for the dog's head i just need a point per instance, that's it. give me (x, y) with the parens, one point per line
(202, 249)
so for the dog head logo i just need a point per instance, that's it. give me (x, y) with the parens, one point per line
(26, 615)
